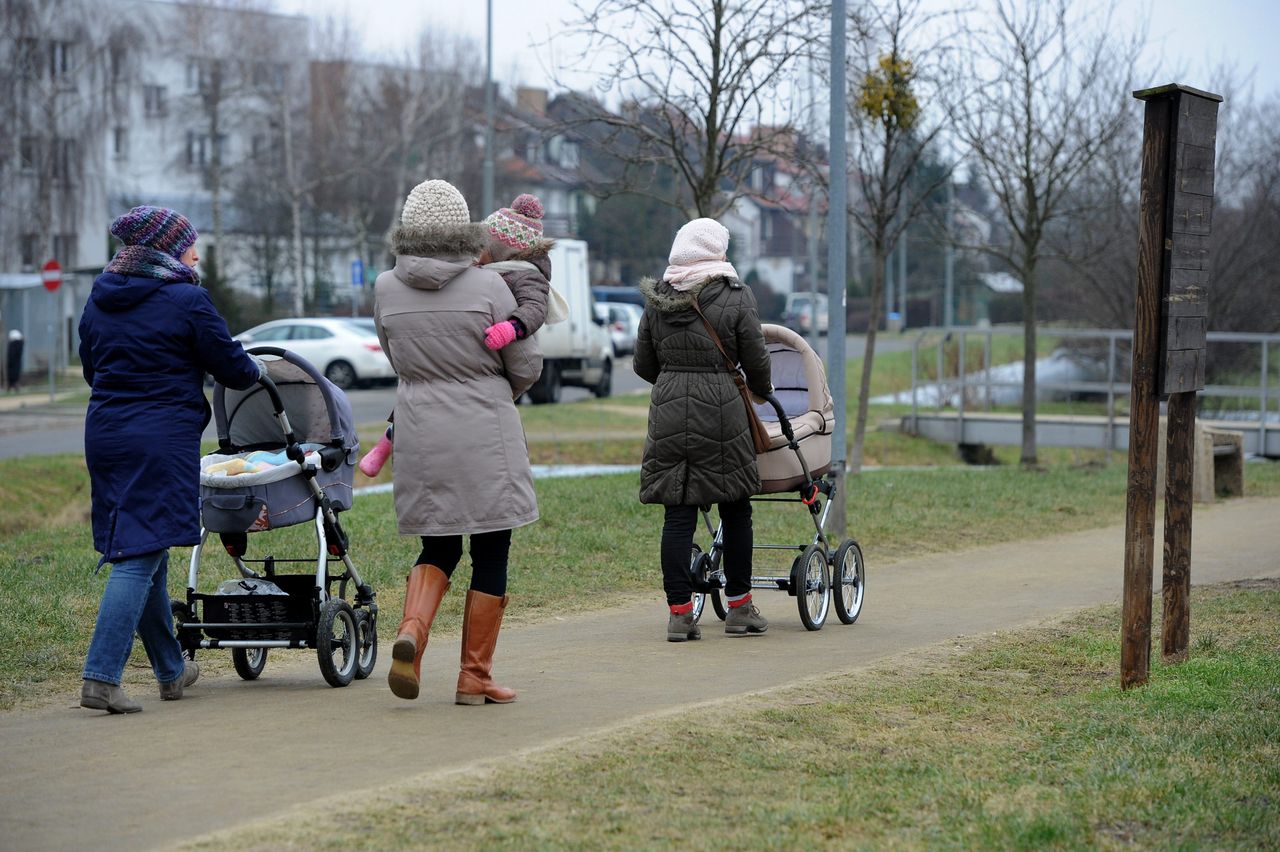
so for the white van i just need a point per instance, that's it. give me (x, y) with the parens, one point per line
(578, 351)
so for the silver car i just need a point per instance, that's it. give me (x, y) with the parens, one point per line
(622, 319)
(345, 349)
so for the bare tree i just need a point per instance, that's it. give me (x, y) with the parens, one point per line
(62, 70)
(1053, 93)
(704, 87)
(896, 69)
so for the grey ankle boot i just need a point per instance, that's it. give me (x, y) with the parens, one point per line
(682, 627)
(99, 695)
(173, 691)
(745, 619)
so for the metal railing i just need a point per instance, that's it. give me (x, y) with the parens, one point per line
(966, 388)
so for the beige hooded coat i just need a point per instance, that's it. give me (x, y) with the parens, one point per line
(461, 462)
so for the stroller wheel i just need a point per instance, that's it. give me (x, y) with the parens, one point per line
(182, 615)
(848, 581)
(367, 631)
(811, 583)
(249, 662)
(698, 564)
(337, 642)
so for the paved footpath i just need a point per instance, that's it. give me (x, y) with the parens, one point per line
(232, 752)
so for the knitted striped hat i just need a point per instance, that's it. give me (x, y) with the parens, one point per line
(518, 226)
(156, 227)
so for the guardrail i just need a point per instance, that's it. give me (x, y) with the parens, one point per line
(979, 385)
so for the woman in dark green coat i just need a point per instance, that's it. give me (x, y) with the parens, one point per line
(698, 450)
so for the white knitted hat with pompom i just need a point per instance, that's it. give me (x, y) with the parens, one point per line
(435, 204)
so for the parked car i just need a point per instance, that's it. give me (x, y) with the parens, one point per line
(604, 293)
(345, 349)
(799, 313)
(622, 319)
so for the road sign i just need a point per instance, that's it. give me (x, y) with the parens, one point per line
(357, 273)
(51, 275)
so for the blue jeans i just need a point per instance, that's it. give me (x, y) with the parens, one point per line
(136, 599)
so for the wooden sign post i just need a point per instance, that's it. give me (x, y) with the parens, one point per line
(1171, 319)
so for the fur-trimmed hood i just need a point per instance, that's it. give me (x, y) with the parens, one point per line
(447, 243)
(668, 300)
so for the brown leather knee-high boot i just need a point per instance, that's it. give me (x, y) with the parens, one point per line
(481, 622)
(424, 589)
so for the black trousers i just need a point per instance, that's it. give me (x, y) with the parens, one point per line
(489, 553)
(677, 545)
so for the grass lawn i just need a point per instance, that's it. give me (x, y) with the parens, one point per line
(595, 542)
(1020, 740)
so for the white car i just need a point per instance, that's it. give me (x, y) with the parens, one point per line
(622, 319)
(346, 350)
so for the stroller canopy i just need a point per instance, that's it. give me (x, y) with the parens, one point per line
(799, 381)
(317, 410)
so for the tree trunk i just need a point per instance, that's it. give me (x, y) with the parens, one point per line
(1028, 457)
(854, 466)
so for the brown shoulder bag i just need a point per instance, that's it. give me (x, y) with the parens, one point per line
(759, 434)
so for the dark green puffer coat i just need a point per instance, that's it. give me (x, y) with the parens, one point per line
(698, 450)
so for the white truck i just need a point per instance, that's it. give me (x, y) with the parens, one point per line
(578, 351)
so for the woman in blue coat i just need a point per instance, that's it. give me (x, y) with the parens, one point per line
(148, 335)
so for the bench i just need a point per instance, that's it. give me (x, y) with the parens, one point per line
(1218, 463)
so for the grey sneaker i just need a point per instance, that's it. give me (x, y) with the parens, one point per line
(745, 619)
(682, 627)
(173, 691)
(98, 695)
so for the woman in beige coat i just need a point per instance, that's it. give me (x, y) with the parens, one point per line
(461, 462)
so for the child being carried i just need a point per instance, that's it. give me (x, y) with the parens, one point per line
(517, 252)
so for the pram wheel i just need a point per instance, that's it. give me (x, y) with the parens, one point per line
(367, 622)
(337, 642)
(811, 582)
(849, 581)
(182, 614)
(698, 568)
(249, 662)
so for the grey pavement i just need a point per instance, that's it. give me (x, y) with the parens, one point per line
(233, 752)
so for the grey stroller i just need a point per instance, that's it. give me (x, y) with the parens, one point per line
(286, 455)
(799, 417)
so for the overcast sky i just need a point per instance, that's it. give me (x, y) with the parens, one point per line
(1188, 38)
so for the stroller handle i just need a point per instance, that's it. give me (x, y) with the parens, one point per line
(782, 417)
(277, 404)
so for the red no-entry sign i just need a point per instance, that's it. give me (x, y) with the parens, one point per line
(51, 275)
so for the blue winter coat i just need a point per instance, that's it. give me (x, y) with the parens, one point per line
(145, 346)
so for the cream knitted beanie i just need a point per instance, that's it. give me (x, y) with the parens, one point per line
(698, 241)
(435, 204)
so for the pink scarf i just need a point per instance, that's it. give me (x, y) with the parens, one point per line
(688, 276)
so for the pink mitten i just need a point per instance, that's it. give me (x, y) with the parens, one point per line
(498, 336)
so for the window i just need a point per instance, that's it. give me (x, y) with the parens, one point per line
(28, 153)
(65, 163)
(153, 101)
(201, 150)
(65, 249)
(204, 75)
(269, 75)
(61, 59)
(120, 142)
(27, 58)
(29, 246)
(310, 332)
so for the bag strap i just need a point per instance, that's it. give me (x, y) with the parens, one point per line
(715, 338)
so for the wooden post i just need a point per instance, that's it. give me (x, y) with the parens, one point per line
(1175, 587)
(1171, 311)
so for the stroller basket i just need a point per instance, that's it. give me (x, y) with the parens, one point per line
(266, 617)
